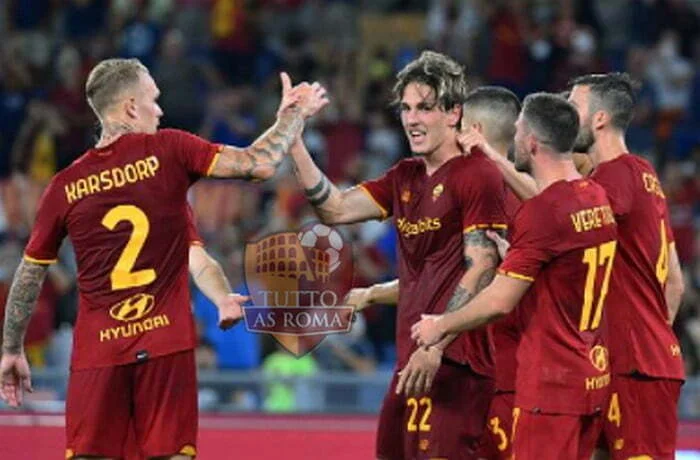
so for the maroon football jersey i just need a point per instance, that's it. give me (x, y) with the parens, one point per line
(641, 339)
(431, 213)
(124, 209)
(192, 232)
(506, 332)
(564, 242)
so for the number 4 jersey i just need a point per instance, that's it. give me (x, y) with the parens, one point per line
(641, 339)
(124, 209)
(564, 242)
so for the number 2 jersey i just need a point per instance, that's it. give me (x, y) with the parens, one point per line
(125, 211)
(641, 339)
(563, 242)
(431, 214)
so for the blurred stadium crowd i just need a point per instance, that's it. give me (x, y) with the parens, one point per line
(217, 63)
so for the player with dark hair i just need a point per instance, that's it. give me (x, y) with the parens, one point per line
(647, 285)
(442, 204)
(647, 282)
(123, 205)
(558, 272)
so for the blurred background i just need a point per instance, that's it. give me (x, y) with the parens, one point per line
(217, 64)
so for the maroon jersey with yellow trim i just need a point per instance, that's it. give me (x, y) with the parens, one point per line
(124, 209)
(641, 339)
(431, 214)
(192, 232)
(564, 242)
(506, 331)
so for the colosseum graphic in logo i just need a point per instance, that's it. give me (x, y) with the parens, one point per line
(296, 282)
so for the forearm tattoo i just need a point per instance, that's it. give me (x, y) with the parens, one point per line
(319, 193)
(20, 304)
(271, 147)
(488, 251)
(460, 298)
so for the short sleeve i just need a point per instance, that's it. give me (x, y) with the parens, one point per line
(618, 182)
(482, 198)
(197, 155)
(49, 228)
(531, 245)
(192, 234)
(381, 191)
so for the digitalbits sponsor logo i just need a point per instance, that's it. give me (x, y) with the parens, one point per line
(296, 281)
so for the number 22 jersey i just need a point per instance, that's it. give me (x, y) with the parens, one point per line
(125, 212)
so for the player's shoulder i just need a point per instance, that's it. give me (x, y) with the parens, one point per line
(170, 132)
(477, 166)
(562, 195)
(620, 169)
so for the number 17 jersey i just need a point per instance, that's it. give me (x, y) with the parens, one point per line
(124, 209)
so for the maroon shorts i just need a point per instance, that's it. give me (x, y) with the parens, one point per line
(538, 436)
(641, 418)
(447, 422)
(499, 427)
(157, 399)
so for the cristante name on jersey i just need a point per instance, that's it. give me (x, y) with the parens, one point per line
(652, 185)
(426, 224)
(109, 179)
(592, 218)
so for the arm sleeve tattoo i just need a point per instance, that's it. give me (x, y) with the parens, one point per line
(270, 148)
(488, 251)
(20, 304)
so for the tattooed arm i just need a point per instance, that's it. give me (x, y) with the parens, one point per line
(20, 304)
(15, 376)
(331, 205)
(481, 260)
(261, 159)
(497, 300)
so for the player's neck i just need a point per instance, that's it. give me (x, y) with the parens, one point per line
(441, 155)
(608, 146)
(113, 130)
(552, 169)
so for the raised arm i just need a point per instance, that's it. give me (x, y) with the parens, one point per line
(522, 184)
(260, 160)
(674, 284)
(14, 369)
(331, 205)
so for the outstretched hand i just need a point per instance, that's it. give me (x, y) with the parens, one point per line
(358, 298)
(231, 310)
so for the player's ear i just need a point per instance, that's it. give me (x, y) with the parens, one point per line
(531, 144)
(130, 107)
(454, 116)
(600, 119)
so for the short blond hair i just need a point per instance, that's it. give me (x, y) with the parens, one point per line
(108, 79)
